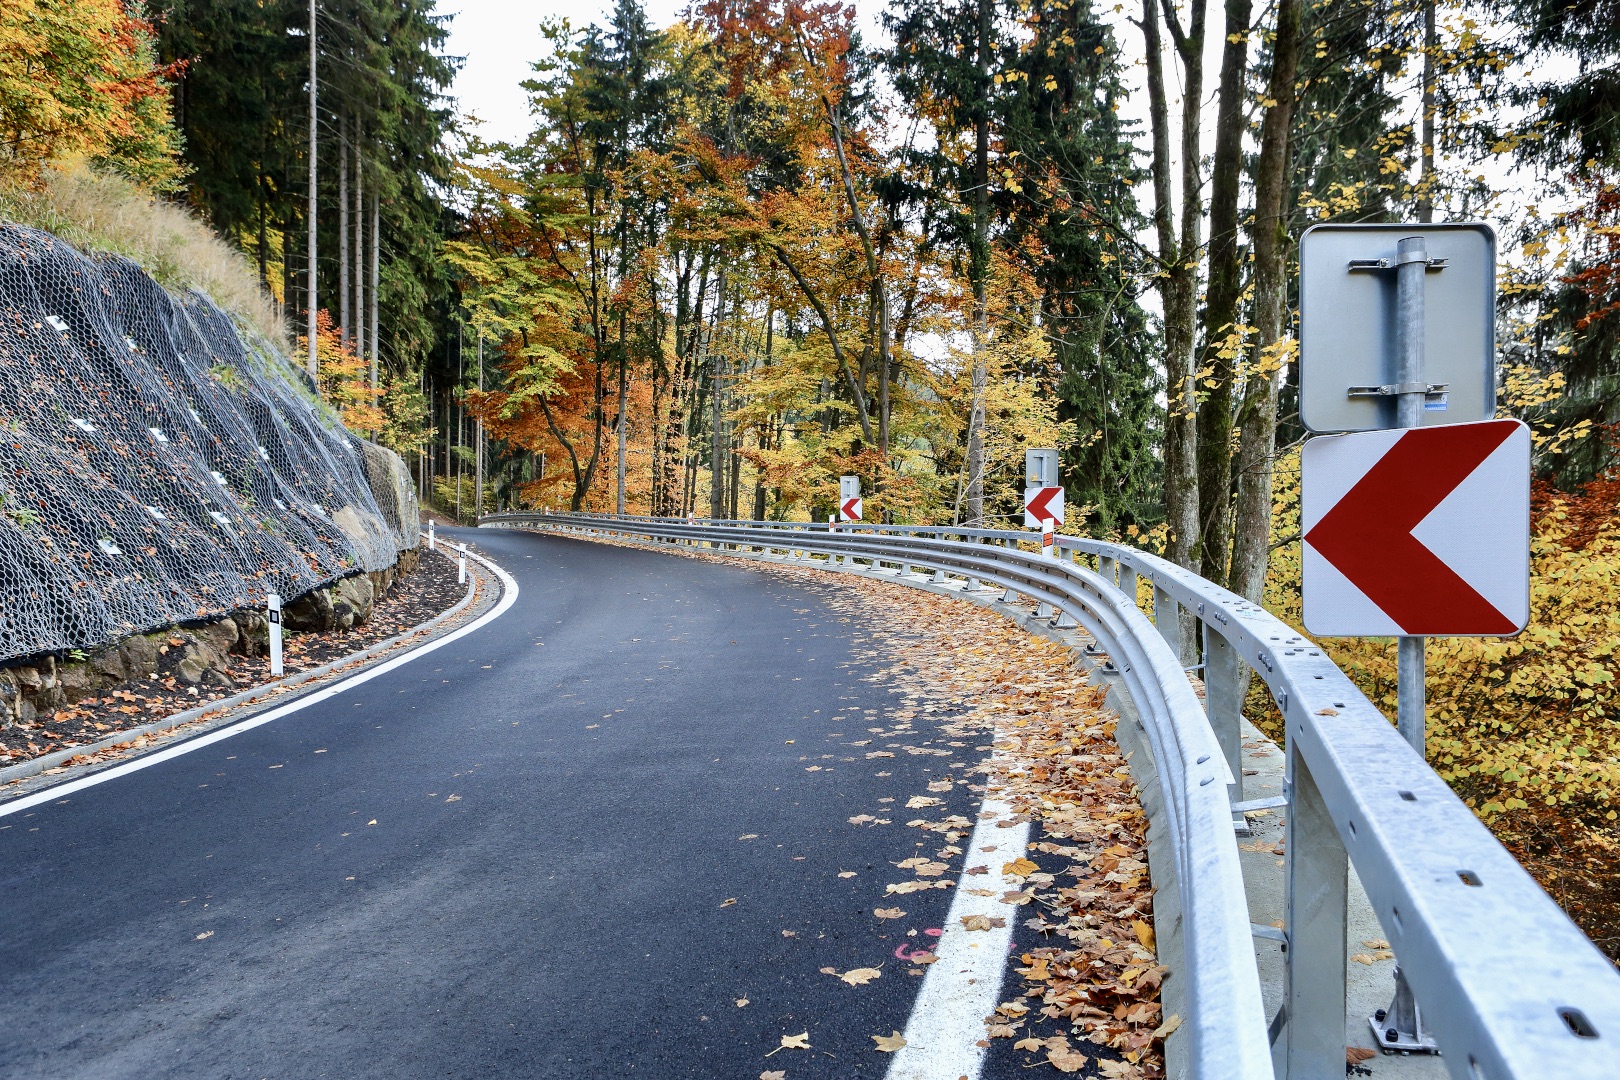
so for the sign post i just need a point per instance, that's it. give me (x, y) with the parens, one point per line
(1418, 526)
(1043, 495)
(849, 497)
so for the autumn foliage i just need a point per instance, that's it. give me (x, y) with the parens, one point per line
(78, 81)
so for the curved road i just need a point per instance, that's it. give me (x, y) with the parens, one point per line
(510, 857)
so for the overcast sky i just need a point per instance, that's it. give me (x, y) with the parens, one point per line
(501, 38)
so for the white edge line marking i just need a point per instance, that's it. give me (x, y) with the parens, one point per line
(963, 986)
(52, 793)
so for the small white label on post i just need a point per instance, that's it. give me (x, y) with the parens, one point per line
(273, 615)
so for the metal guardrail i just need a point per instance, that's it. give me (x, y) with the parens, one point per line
(1507, 984)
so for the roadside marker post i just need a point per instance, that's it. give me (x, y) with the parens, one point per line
(461, 564)
(432, 545)
(273, 617)
(849, 497)
(1415, 515)
(1043, 495)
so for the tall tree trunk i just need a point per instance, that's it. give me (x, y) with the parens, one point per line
(979, 271)
(1179, 256)
(311, 302)
(376, 282)
(358, 240)
(717, 449)
(1221, 301)
(624, 389)
(1431, 44)
(1257, 419)
(345, 327)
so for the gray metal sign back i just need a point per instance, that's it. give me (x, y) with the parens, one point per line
(1348, 364)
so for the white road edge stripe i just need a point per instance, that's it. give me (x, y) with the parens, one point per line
(964, 985)
(508, 598)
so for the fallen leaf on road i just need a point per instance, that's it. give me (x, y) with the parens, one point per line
(1376, 943)
(918, 802)
(775, 1074)
(794, 1042)
(976, 922)
(742, 1002)
(1355, 1055)
(749, 836)
(859, 976)
(1168, 1028)
(373, 821)
(1019, 867)
(861, 819)
(1373, 958)
(846, 873)
(978, 870)
(1066, 1060)
(203, 935)
(453, 798)
(888, 1044)
(1031, 1045)
(889, 913)
(729, 902)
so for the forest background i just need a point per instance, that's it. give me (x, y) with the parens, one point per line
(745, 253)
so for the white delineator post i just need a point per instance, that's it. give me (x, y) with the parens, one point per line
(432, 544)
(461, 564)
(1049, 538)
(273, 616)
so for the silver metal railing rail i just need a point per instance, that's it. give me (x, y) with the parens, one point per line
(1508, 985)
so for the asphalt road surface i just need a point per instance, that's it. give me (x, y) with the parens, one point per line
(513, 857)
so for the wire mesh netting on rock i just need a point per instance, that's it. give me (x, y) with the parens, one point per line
(160, 463)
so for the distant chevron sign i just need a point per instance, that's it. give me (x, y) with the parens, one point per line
(1041, 503)
(1422, 532)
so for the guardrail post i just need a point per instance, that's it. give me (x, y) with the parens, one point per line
(1167, 617)
(1127, 581)
(1223, 702)
(1312, 1042)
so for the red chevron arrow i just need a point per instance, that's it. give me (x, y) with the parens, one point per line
(1367, 535)
(852, 509)
(1039, 505)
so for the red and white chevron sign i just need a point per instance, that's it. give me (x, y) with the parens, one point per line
(852, 509)
(1041, 503)
(1422, 532)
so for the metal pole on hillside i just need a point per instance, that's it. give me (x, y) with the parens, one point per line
(309, 301)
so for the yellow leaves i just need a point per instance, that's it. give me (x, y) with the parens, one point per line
(889, 1044)
(1373, 957)
(1144, 933)
(1019, 868)
(1168, 1028)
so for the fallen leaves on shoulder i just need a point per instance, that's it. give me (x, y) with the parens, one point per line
(888, 1044)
